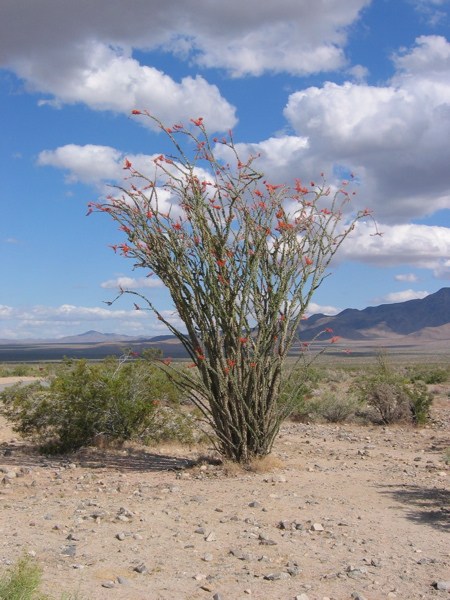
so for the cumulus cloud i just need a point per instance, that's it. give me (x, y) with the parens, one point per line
(442, 271)
(42, 321)
(83, 51)
(130, 283)
(401, 297)
(407, 277)
(394, 137)
(421, 246)
(317, 309)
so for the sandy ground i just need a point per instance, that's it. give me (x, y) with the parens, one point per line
(349, 512)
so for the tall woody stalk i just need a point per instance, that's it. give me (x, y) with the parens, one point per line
(241, 258)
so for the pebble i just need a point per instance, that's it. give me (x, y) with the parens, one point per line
(108, 584)
(442, 585)
(142, 569)
(277, 576)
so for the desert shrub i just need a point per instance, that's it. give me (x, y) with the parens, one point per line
(420, 402)
(429, 374)
(387, 397)
(115, 399)
(298, 387)
(167, 425)
(22, 581)
(334, 408)
(391, 399)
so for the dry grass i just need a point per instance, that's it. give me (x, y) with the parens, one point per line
(266, 464)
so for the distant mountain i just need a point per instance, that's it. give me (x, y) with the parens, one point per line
(387, 320)
(89, 337)
(410, 322)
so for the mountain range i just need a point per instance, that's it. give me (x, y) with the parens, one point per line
(404, 323)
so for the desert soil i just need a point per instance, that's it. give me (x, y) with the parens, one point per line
(346, 512)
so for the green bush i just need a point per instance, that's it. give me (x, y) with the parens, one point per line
(22, 581)
(392, 399)
(114, 399)
(334, 408)
(420, 402)
(429, 374)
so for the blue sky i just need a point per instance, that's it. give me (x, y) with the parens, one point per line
(326, 86)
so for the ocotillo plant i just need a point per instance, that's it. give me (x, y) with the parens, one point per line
(241, 258)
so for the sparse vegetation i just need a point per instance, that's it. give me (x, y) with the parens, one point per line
(333, 407)
(22, 581)
(116, 400)
(429, 374)
(390, 397)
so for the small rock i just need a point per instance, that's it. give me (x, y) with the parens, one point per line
(108, 584)
(207, 558)
(142, 569)
(211, 537)
(254, 504)
(120, 536)
(277, 576)
(301, 597)
(69, 551)
(442, 585)
(317, 527)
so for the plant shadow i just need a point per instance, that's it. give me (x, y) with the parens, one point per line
(130, 459)
(426, 506)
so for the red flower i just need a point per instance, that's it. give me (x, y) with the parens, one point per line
(242, 340)
(335, 338)
(176, 226)
(328, 329)
(127, 164)
(308, 261)
(136, 112)
(191, 366)
(198, 121)
(221, 263)
(136, 306)
(231, 362)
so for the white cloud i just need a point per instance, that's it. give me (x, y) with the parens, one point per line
(130, 283)
(421, 246)
(83, 51)
(401, 297)
(89, 163)
(407, 277)
(442, 271)
(395, 138)
(316, 309)
(42, 321)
